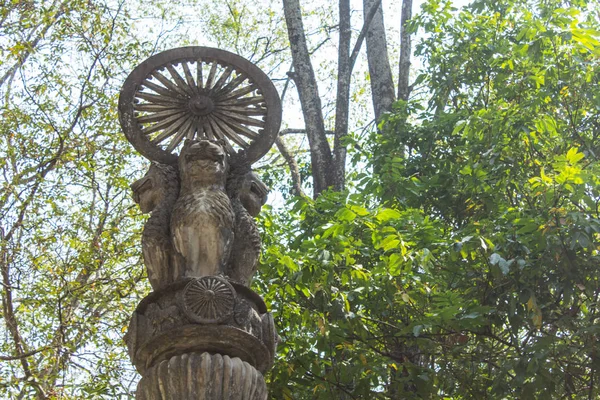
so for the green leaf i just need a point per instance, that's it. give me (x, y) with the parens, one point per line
(345, 214)
(417, 330)
(387, 214)
(390, 242)
(395, 264)
(573, 156)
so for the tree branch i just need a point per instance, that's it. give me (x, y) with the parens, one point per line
(24, 355)
(297, 131)
(293, 165)
(382, 83)
(404, 88)
(363, 32)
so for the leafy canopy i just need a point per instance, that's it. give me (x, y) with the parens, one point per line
(464, 263)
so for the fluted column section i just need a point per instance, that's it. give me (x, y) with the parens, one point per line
(202, 376)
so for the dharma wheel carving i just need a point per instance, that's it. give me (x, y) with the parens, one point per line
(208, 300)
(199, 93)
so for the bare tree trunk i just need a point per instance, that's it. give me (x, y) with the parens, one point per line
(328, 169)
(293, 165)
(343, 94)
(405, 51)
(281, 146)
(382, 84)
(304, 77)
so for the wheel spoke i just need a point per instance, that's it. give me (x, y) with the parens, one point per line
(230, 133)
(231, 85)
(239, 92)
(211, 75)
(180, 134)
(199, 131)
(155, 117)
(179, 80)
(165, 81)
(242, 118)
(159, 89)
(159, 99)
(161, 125)
(199, 73)
(244, 101)
(169, 131)
(208, 129)
(222, 79)
(193, 129)
(244, 111)
(188, 76)
(149, 107)
(220, 135)
(240, 128)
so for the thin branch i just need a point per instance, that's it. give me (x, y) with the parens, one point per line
(294, 131)
(31, 46)
(363, 33)
(293, 165)
(24, 355)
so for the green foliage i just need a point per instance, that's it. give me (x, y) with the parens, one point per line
(70, 260)
(69, 239)
(466, 266)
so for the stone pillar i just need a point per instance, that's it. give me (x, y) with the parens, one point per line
(202, 338)
(202, 116)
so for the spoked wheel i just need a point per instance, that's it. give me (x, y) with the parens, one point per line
(199, 92)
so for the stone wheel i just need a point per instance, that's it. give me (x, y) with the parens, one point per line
(199, 92)
(208, 300)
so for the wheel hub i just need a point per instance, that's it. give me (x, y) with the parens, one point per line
(201, 105)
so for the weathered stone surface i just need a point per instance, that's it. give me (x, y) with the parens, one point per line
(212, 230)
(199, 92)
(269, 334)
(202, 223)
(208, 300)
(156, 193)
(202, 333)
(181, 317)
(248, 194)
(204, 376)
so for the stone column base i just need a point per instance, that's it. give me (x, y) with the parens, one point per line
(205, 376)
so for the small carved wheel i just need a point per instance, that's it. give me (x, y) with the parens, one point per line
(208, 300)
(199, 92)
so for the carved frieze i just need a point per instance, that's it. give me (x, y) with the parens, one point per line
(229, 318)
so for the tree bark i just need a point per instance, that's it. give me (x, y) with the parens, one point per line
(304, 77)
(343, 94)
(405, 52)
(382, 84)
(293, 166)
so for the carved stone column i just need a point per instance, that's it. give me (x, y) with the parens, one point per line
(202, 338)
(203, 116)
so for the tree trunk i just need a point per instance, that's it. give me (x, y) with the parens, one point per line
(304, 77)
(382, 85)
(343, 95)
(405, 52)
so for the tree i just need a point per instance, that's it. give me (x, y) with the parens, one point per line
(329, 165)
(66, 239)
(475, 242)
(70, 262)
